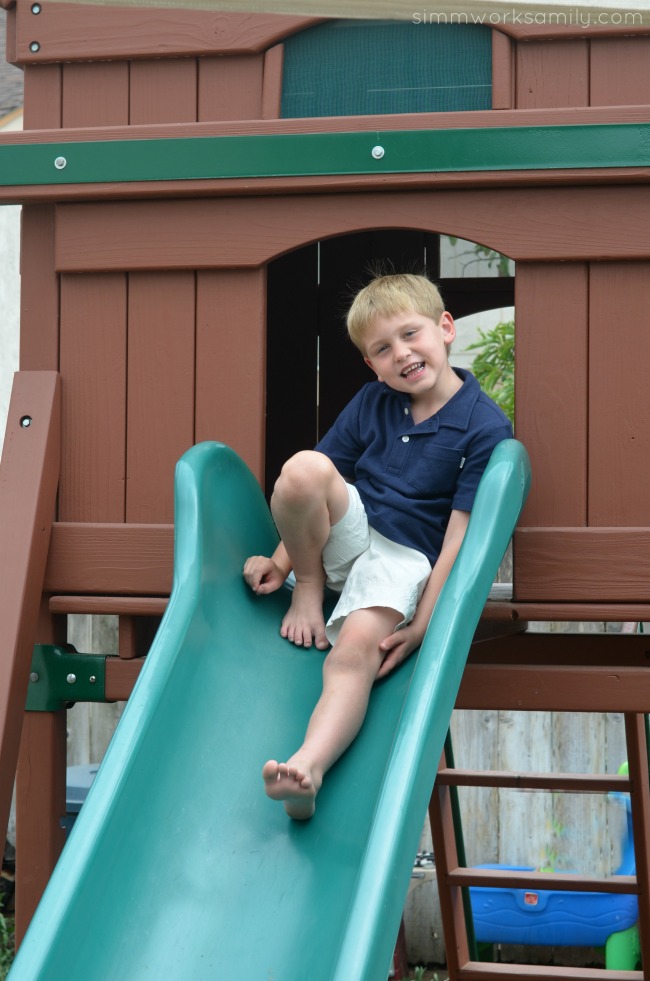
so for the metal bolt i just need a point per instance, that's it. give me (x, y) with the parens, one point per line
(71, 679)
(92, 679)
(34, 677)
(26, 422)
(36, 8)
(378, 152)
(60, 163)
(34, 47)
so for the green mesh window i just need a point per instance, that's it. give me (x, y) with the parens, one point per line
(348, 68)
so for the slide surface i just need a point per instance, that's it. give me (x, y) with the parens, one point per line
(179, 868)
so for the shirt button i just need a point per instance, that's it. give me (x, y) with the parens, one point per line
(406, 412)
(405, 439)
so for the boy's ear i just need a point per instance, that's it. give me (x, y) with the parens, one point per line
(448, 327)
(372, 368)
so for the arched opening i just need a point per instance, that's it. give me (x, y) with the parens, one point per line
(312, 368)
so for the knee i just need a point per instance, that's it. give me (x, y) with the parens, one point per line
(303, 476)
(353, 654)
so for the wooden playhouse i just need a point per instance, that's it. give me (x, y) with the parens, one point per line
(201, 191)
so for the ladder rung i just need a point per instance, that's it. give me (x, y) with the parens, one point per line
(119, 605)
(581, 783)
(478, 971)
(566, 881)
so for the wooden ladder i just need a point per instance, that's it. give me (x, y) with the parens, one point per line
(524, 672)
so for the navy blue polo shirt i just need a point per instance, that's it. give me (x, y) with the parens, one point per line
(410, 477)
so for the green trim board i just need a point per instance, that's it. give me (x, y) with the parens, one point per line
(324, 154)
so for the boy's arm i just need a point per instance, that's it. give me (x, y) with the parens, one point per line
(399, 645)
(265, 575)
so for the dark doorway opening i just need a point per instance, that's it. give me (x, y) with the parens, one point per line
(313, 369)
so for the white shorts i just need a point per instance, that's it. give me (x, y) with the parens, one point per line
(368, 569)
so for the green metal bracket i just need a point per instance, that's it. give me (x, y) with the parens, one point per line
(59, 675)
(496, 148)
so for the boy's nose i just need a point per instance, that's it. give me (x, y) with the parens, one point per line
(402, 351)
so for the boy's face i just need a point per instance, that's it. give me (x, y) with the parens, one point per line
(408, 352)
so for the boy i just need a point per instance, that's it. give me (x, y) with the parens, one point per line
(377, 511)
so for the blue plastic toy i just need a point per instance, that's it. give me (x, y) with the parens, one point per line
(556, 918)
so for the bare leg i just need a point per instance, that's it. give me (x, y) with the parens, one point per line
(349, 672)
(309, 497)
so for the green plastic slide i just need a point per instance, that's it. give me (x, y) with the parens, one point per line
(179, 868)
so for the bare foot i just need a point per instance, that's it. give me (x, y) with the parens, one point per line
(292, 784)
(304, 620)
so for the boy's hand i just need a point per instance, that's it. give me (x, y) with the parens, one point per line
(398, 647)
(262, 574)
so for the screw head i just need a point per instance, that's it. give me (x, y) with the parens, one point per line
(92, 679)
(26, 422)
(34, 47)
(34, 677)
(60, 163)
(378, 152)
(71, 679)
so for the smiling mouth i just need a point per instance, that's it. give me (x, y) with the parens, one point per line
(413, 369)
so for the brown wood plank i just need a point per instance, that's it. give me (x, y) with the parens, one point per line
(231, 374)
(163, 91)
(10, 30)
(476, 971)
(39, 294)
(272, 82)
(567, 223)
(552, 75)
(121, 675)
(126, 560)
(160, 390)
(95, 94)
(592, 612)
(69, 32)
(117, 605)
(230, 88)
(571, 24)
(560, 689)
(358, 184)
(42, 97)
(619, 442)
(93, 370)
(28, 482)
(577, 783)
(49, 132)
(503, 73)
(589, 564)
(40, 804)
(553, 426)
(619, 72)
(563, 881)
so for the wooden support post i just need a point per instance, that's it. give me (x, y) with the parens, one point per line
(40, 805)
(29, 475)
(452, 908)
(637, 753)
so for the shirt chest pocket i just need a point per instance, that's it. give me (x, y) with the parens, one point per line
(433, 470)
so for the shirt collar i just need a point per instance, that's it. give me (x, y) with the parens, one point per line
(456, 413)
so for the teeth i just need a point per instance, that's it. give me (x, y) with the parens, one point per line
(411, 368)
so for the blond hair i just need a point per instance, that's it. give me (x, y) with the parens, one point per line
(386, 296)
